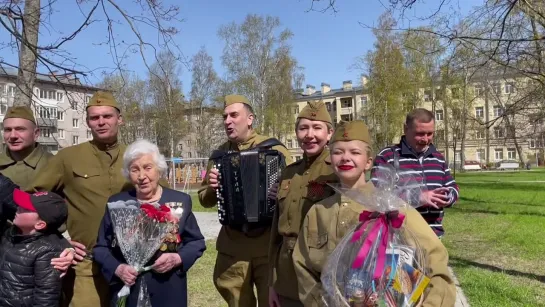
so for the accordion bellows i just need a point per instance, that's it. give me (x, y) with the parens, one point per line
(245, 180)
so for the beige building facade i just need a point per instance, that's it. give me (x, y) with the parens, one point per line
(59, 107)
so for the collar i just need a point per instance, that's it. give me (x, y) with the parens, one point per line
(365, 193)
(31, 160)
(102, 146)
(323, 156)
(406, 149)
(245, 144)
(15, 236)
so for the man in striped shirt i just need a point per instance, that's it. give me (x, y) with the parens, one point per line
(422, 178)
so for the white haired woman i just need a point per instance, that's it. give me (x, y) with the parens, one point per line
(143, 165)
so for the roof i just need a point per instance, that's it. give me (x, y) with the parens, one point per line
(65, 80)
(332, 93)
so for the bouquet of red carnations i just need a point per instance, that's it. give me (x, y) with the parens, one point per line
(140, 231)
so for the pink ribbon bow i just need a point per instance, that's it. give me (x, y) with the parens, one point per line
(395, 219)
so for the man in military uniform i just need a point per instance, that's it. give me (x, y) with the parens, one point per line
(23, 157)
(329, 220)
(242, 257)
(87, 175)
(303, 183)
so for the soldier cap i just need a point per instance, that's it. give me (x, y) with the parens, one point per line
(23, 112)
(231, 99)
(102, 98)
(315, 110)
(350, 131)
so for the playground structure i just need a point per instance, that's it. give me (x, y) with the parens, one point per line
(186, 174)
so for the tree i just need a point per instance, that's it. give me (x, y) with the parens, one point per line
(387, 84)
(206, 121)
(132, 95)
(24, 19)
(258, 58)
(167, 103)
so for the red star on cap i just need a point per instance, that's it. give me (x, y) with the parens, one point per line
(313, 114)
(345, 135)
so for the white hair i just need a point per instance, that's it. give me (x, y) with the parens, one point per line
(139, 148)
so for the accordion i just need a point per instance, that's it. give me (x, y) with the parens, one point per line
(245, 180)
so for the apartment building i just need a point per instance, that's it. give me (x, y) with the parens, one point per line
(58, 104)
(504, 121)
(193, 144)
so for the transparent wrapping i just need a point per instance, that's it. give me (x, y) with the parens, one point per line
(139, 237)
(378, 262)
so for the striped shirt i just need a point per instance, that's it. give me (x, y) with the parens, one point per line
(416, 173)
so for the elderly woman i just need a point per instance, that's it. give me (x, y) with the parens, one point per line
(143, 165)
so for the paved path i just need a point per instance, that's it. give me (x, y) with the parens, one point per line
(210, 227)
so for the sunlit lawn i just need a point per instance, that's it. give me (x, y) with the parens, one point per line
(495, 237)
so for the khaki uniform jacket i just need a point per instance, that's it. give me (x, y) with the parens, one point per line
(302, 185)
(230, 241)
(86, 176)
(23, 172)
(327, 223)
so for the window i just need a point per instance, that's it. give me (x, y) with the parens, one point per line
(74, 105)
(346, 117)
(498, 111)
(496, 88)
(498, 154)
(298, 158)
(458, 155)
(52, 95)
(75, 123)
(3, 108)
(480, 134)
(363, 101)
(479, 91)
(536, 143)
(439, 115)
(427, 95)
(479, 112)
(511, 153)
(346, 103)
(510, 88)
(59, 96)
(480, 155)
(45, 132)
(290, 145)
(296, 110)
(61, 133)
(328, 106)
(87, 98)
(455, 92)
(60, 115)
(75, 139)
(90, 136)
(11, 91)
(499, 132)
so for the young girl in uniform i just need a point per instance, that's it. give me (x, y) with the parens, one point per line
(327, 222)
(303, 183)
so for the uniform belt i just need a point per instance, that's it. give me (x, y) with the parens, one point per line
(289, 243)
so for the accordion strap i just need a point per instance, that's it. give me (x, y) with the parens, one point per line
(271, 142)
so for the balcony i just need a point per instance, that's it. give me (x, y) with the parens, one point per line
(46, 122)
(47, 140)
(346, 111)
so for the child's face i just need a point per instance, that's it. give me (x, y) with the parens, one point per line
(350, 160)
(28, 220)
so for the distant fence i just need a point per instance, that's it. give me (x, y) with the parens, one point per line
(186, 174)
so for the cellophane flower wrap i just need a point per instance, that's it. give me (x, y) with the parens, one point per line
(378, 262)
(139, 231)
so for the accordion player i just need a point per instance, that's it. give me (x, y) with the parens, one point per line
(245, 180)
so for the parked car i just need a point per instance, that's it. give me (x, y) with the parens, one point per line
(508, 165)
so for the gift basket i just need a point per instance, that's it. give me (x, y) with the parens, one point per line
(378, 262)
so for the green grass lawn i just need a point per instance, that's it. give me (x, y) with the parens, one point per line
(495, 237)
(201, 290)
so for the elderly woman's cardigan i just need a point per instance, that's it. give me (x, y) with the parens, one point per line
(167, 289)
